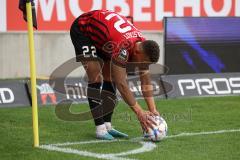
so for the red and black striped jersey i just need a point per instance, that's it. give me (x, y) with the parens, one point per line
(111, 33)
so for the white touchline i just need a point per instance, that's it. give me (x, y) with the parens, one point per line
(146, 146)
(84, 142)
(203, 133)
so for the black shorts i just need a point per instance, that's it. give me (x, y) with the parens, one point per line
(85, 49)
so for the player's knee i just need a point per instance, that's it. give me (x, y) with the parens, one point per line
(94, 77)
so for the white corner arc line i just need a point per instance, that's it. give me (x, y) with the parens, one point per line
(146, 146)
(82, 153)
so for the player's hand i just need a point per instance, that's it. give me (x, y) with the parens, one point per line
(155, 112)
(146, 120)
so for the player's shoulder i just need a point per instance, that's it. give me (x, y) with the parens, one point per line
(94, 13)
(108, 13)
(103, 11)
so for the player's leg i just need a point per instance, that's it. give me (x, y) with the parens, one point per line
(53, 98)
(84, 54)
(44, 99)
(93, 70)
(109, 86)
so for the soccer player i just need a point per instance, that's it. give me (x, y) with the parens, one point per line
(109, 37)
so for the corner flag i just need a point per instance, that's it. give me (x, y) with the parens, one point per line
(22, 7)
(27, 6)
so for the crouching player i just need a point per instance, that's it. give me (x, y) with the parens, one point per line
(109, 37)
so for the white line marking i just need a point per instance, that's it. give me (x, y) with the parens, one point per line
(146, 146)
(185, 134)
(203, 133)
(82, 153)
(84, 142)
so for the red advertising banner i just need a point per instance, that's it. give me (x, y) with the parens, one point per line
(57, 15)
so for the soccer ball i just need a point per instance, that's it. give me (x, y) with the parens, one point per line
(159, 131)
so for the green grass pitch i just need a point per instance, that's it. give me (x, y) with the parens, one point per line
(192, 115)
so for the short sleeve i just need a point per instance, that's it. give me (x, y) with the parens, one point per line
(121, 58)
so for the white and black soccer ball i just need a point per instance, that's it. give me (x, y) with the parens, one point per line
(159, 131)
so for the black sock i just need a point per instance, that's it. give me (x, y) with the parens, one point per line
(93, 93)
(110, 87)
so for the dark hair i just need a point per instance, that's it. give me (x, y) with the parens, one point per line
(151, 49)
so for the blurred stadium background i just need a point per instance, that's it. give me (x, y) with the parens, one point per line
(201, 49)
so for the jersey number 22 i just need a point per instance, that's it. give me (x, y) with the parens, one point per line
(121, 21)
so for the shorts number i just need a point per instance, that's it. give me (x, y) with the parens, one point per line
(121, 21)
(87, 53)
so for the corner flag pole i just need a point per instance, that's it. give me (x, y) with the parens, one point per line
(33, 74)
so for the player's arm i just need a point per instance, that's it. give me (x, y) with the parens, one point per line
(147, 91)
(119, 77)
